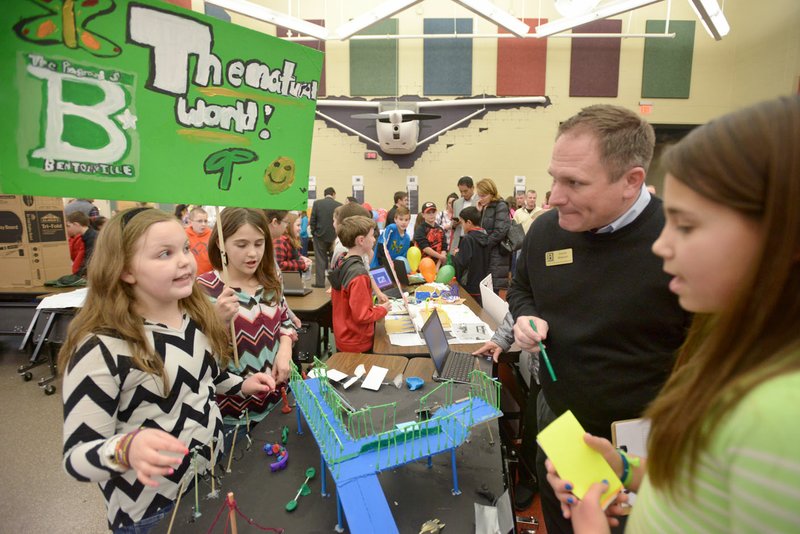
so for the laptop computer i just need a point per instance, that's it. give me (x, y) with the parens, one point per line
(293, 285)
(385, 282)
(450, 365)
(402, 275)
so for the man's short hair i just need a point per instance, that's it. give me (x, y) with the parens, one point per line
(625, 140)
(466, 181)
(400, 195)
(471, 214)
(533, 191)
(278, 215)
(194, 211)
(352, 227)
(351, 209)
(402, 212)
(329, 191)
(79, 217)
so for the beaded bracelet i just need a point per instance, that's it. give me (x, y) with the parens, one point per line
(123, 448)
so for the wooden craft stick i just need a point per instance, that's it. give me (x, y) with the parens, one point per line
(224, 257)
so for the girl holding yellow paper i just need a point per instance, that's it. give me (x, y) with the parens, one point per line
(723, 451)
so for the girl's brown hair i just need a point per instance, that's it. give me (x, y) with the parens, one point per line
(749, 162)
(231, 220)
(294, 239)
(110, 304)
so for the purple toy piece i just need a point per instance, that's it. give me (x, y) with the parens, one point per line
(281, 456)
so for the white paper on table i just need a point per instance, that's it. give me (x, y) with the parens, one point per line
(336, 375)
(315, 373)
(375, 378)
(456, 313)
(467, 332)
(352, 380)
(71, 299)
(406, 340)
(360, 370)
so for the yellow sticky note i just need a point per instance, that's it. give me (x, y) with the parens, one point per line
(574, 460)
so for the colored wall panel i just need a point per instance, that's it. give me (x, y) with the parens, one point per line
(217, 12)
(447, 62)
(521, 64)
(373, 64)
(594, 67)
(667, 71)
(186, 4)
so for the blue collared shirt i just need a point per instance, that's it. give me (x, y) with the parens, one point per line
(630, 215)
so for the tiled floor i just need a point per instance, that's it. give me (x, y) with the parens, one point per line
(38, 496)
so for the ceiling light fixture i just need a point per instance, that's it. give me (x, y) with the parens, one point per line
(255, 11)
(499, 16)
(603, 12)
(712, 18)
(378, 13)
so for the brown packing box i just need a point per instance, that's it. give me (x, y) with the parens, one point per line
(33, 241)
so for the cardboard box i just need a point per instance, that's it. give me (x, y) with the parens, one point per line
(33, 241)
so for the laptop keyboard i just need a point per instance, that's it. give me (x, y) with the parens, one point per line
(458, 366)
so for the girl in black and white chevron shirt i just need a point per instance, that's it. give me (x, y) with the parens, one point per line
(142, 363)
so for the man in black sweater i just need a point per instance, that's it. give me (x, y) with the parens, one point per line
(589, 282)
(321, 227)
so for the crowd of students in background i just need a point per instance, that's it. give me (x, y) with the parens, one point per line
(154, 333)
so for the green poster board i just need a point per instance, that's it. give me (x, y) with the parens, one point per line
(142, 100)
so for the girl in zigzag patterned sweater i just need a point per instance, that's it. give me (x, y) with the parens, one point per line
(253, 299)
(142, 362)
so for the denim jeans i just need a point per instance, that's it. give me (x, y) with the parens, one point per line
(146, 524)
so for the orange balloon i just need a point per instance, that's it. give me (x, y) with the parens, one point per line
(428, 269)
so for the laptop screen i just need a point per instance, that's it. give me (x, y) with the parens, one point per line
(436, 340)
(381, 277)
(292, 279)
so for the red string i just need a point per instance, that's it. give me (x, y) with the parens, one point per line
(252, 522)
(249, 521)
(221, 508)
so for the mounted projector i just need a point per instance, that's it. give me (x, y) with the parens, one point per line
(398, 129)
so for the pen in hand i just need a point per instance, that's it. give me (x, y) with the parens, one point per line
(544, 355)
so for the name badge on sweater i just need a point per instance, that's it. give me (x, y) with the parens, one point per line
(558, 257)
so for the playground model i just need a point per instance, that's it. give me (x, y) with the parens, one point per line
(356, 445)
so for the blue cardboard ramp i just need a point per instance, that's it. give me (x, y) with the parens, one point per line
(365, 506)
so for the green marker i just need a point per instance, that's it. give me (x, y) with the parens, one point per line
(544, 355)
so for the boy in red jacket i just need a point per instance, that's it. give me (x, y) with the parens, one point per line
(354, 314)
(81, 241)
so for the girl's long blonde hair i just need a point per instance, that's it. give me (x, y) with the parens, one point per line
(110, 303)
(748, 161)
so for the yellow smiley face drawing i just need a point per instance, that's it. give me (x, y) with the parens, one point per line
(279, 175)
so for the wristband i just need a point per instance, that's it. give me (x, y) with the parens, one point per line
(627, 463)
